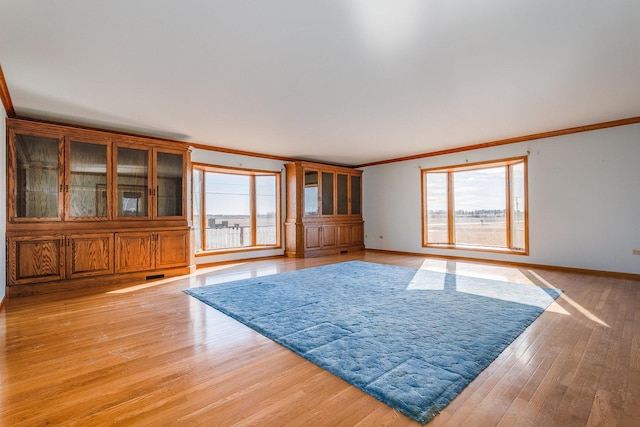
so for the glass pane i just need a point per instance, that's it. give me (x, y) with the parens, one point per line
(197, 208)
(266, 210)
(480, 207)
(88, 180)
(310, 193)
(133, 177)
(169, 182)
(327, 193)
(437, 208)
(356, 202)
(228, 210)
(36, 177)
(518, 206)
(343, 194)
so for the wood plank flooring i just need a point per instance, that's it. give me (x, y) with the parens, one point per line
(150, 355)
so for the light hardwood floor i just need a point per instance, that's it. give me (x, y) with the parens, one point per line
(148, 354)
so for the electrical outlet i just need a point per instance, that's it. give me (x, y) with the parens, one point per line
(636, 251)
(365, 235)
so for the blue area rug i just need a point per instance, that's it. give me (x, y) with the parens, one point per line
(411, 338)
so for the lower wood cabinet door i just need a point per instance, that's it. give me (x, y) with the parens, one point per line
(172, 248)
(35, 259)
(344, 235)
(135, 251)
(312, 237)
(89, 255)
(329, 236)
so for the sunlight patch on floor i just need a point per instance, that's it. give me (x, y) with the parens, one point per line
(564, 297)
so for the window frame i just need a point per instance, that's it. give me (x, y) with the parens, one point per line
(450, 196)
(204, 168)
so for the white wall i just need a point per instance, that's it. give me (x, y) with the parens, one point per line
(584, 200)
(246, 162)
(3, 211)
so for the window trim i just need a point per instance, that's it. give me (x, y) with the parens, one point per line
(204, 167)
(449, 170)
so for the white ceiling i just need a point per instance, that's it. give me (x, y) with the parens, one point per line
(340, 81)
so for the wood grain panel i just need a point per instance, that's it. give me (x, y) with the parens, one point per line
(35, 259)
(329, 236)
(134, 251)
(312, 237)
(344, 234)
(172, 248)
(90, 255)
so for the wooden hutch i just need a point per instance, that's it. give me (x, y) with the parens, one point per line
(89, 208)
(324, 210)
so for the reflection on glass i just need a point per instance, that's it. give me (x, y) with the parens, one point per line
(132, 177)
(310, 192)
(437, 210)
(169, 181)
(327, 193)
(36, 177)
(88, 180)
(480, 207)
(266, 210)
(518, 206)
(356, 202)
(343, 194)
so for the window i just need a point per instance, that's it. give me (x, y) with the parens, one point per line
(477, 206)
(235, 209)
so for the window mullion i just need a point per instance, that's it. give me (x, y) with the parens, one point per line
(254, 222)
(507, 217)
(450, 208)
(203, 210)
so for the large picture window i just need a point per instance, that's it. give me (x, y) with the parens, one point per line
(235, 209)
(477, 206)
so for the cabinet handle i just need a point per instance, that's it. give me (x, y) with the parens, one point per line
(61, 188)
(66, 188)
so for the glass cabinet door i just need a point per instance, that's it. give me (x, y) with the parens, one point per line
(327, 193)
(343, 194)
(310, 192)
(37, 183)
(132, 181)
(169, 184)
(86, 185)
(356, 195)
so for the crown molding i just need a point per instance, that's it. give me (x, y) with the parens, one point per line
(5, 96)
(567, 131)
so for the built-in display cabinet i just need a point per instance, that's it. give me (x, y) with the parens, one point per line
(88, 207)
(324, 210)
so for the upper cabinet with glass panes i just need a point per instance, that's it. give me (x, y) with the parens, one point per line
(64, 174)
(330, 192)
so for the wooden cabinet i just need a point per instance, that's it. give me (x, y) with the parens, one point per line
(86, 207)
(324, 212)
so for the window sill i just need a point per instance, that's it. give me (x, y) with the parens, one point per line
(479, 249)
(211, 252)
